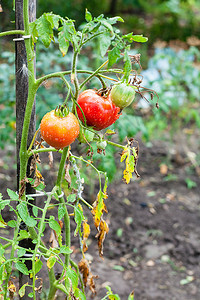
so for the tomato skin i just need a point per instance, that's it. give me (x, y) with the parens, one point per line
(59, 132)
(122, 95)
(99, 112)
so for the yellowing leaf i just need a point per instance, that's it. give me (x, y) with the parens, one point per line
(22, 290)
(102, 231)
(51, 261)
(130, 155)
(99, 207)
(86, 233)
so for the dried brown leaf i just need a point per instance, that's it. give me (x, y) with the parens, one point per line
(88, 277)
(84, 269)
(53, 239)
(102, 231)
(50, 157)
(67, 175)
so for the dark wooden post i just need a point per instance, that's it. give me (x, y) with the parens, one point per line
(21, 99)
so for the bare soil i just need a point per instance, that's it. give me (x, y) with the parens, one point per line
(153, 244)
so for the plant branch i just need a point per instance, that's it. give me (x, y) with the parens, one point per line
(12, 32)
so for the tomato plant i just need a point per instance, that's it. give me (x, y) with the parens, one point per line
(98, 111)
(59, 128)
(59, 131)
(122, 94)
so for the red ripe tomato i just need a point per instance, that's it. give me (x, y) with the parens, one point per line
(99, 112)
(59, 131)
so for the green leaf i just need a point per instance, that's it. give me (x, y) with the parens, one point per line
(131, 296)
(107, 25)
(44, 29)
(53, 20)
(24, 215)
(23, 210)
(53, 224)
(21, 252)
(64, 36)
(3, 203)
(23, 234)
(21, 267)
(12, 223)
(134, 38)
(38, 265)
(79, 294)
(13, 195)
(88, 16)
(30, 295)
(127, 65)
(65, 250)
(71, 198)
(105, 41)
(33, 32)
(139, 38)
(22, 290)
(61, 211)
(73, 276)
(43, 226)
(115, 20)
(78, 217)
(113, 55)
(35, 211)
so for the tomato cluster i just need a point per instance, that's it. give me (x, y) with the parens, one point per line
(94, 110)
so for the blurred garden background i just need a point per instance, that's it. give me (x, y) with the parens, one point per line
(153, 245)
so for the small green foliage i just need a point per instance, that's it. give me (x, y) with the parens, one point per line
(20, 266)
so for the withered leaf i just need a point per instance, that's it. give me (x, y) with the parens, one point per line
(50, 156)
(67, 175)
(84, 269)
(102, 231)
(53, 239)
(88, 277)
(86, 233)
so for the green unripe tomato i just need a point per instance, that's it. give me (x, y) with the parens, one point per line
(122, 95)
(84, 135)
(101, 145)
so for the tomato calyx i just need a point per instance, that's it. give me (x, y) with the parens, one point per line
(103, 92)
(101, 146)
(61, 111)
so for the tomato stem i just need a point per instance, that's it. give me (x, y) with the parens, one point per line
(65, 154)
(12, 32)
(92, 75)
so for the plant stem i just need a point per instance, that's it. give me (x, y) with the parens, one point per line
(74, 78)
(32, 88)
(93, 74)
(42, 220)
(11, 32)
(9, 271)
(65, 153)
